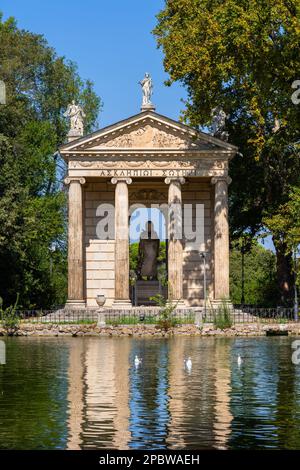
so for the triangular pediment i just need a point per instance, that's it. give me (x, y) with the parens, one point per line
(146, 131)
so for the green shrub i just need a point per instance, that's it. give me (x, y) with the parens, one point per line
(222, 317)
(166, 319)
(10, 319)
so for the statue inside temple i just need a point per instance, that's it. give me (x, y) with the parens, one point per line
(148, 253)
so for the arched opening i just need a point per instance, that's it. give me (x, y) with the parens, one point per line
(148, 250)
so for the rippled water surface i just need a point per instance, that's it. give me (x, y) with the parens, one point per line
(86, 393)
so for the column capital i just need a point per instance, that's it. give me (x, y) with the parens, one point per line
(122, 179)
(175, 179)
(74, 179)
(218, 179)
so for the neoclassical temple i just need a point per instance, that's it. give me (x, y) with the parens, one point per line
(146, 159)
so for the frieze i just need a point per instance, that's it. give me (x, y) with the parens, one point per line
(150, 173)
(149, 137)
(188, 164)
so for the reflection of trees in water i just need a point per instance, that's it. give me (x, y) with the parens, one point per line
(33, 390)
(251, 389)
(287, 417)
(264, 397)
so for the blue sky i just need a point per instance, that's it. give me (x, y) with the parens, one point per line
(112, 44)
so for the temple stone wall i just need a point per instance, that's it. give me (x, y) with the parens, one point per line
(99, 255)
(198, 192)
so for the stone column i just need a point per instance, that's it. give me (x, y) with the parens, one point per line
(75, 244)
(121, 243)
(221, 238)
(175, 235)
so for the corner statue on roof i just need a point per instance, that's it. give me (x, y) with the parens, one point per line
(219, 116)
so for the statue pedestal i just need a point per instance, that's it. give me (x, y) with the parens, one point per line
(148, 107)
(74, 134)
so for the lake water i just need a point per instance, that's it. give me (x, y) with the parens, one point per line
(86, 393)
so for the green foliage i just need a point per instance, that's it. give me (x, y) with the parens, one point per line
(39, 86)
(133, 256)
(285, 223)
(9, 318)
(243, 55)
(260, 287)
(222, 316)
(166, 318)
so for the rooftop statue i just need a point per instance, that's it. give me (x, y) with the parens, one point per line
(147, 88)
(219, 116)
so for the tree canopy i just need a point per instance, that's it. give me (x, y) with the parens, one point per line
(39, 86)
(244, 56)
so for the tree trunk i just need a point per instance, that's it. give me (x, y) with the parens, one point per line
(285, 278)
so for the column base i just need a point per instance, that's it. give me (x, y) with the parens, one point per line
(122, 304)
(75, 305)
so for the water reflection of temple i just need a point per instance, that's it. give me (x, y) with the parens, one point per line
(199, 402)
(114, 405)
(98, 394)
(223, 415)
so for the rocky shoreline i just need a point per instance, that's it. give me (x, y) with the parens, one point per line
(52, 329)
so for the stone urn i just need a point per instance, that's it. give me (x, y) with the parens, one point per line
(100, 299)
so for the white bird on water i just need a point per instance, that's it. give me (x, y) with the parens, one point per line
(137, 361)
(239, 360)
(188, 363)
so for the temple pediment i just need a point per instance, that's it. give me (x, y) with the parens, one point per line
(148, 136)
(144, 132)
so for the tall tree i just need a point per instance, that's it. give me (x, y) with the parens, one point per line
(39, 87)
(244, 56)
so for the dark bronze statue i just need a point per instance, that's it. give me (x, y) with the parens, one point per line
(148, 253)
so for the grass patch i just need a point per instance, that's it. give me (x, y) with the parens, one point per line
(149, 320)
